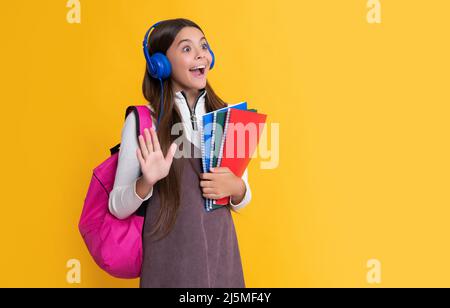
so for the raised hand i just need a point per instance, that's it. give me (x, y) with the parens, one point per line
(154, 165)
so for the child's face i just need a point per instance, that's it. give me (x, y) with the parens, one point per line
(188, 50)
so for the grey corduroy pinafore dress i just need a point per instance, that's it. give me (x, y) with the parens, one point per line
(202, 249)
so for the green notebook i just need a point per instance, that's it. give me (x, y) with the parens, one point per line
(220, 125)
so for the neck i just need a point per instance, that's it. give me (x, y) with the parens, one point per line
(191, 95)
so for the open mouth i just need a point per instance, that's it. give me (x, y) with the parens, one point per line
(198, 72)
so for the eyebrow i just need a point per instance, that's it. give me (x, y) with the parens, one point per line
(188, 40)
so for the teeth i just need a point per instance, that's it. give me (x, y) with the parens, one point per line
(197, 67)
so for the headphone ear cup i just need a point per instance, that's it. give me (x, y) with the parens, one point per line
(160, 67)
(213, 58)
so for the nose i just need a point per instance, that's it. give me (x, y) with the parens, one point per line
(202, 55)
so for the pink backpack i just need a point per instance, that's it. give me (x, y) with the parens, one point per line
(115, 244)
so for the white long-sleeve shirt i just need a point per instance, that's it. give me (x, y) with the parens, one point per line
(123, 199)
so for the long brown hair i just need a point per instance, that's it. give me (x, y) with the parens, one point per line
(168, 188)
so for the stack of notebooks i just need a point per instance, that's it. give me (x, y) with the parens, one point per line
(221, 132)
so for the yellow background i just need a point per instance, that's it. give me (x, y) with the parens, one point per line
(363, 112)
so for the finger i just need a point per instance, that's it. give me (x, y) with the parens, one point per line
(171, 153)
(155, 140)
(211, 196)
(143, 146)
(206, 176)
(221, 170)
(148, 140)
(139, 156)
(209, 191)
(206, 184)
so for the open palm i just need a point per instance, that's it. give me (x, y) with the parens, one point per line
(154, 165)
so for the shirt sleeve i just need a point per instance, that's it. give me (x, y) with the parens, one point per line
(248, 193)
(123, 199)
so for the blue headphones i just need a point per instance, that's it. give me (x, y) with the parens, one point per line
(159, 67)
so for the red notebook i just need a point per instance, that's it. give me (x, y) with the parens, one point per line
(242, 133)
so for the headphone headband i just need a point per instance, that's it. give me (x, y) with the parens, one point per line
(145, 46)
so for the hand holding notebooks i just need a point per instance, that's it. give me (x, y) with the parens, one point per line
(229, 138)
(207, 138)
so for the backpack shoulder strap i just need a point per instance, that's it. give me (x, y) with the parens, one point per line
(143, 117)
(144, 120)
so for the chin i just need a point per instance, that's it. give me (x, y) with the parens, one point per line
(198, 84)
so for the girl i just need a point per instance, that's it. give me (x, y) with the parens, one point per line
(184, 246)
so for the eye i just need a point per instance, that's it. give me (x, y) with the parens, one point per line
(188, 48)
